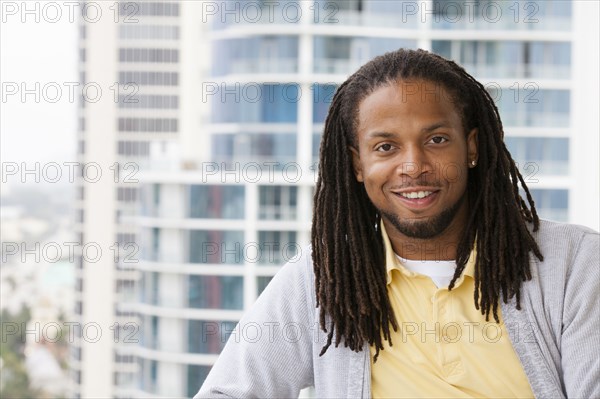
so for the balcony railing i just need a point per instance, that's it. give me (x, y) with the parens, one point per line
(276, 65)
(518, 71)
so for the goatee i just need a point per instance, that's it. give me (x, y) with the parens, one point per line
(426, 228)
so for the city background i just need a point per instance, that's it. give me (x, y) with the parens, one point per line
(158, 161)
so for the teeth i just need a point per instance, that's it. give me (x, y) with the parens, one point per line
(416, 194)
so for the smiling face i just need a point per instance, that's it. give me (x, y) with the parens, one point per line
(413, 154)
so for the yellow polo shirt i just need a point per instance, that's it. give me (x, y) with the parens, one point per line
(444, 347)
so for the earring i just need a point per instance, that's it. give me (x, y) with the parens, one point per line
(473, 163)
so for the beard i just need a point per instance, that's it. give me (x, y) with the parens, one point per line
(425, 229)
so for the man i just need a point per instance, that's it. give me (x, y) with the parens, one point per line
(428, 274)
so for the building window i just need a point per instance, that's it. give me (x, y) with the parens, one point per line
(261, 283)
(237, 150)
(151, 55)
(151, 125)
(528, 106)
(216, 246)
(539, 155)
(149, 78)
(277, 247)
(509, 59)
(152, 32)
(195, 378)
(208, 336)
(148, 101)
(148, 373)
(75, 352)
(504, 15)
(133, 148)
(78, 308)
(216, 202)
(150, 332)
(344, 54)
(148, 9)
(255, 54)
(148, 287)
(322, 96)
(277, 202)
(127, 194)
(256, 103)
(216, 292)
(552, 204)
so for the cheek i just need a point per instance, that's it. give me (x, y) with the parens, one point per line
(375, 174)
(452, 173)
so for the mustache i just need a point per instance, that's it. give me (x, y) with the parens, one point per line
(413, 183)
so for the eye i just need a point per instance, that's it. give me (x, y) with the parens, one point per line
(438, 139)
(383, 147)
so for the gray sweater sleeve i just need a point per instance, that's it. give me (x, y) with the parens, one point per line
(580, 340)
(270, 353)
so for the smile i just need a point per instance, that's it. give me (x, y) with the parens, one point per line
(416, 194)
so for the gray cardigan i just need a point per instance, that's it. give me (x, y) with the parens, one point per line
(274, 351)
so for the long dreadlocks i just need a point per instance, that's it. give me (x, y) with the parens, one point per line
(347, 247)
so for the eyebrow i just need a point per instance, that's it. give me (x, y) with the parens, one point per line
(431, 128)
(426, 129)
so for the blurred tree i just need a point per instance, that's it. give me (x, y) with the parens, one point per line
(14, 381)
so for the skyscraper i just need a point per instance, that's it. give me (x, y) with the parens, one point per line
(138, 61)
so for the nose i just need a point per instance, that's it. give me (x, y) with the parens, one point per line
(414, 162)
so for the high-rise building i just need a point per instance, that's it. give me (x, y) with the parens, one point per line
(212, 232)
(139, 64)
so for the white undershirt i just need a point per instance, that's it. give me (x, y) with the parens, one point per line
(440, 271)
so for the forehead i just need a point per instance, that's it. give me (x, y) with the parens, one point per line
(407, 103)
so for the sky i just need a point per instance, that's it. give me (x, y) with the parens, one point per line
(32, 52)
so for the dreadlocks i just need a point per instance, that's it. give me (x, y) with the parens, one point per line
(347, 247)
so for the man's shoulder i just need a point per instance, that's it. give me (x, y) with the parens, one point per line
(566, 244)
(555, 234)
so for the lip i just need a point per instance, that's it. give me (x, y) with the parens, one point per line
(417, 204)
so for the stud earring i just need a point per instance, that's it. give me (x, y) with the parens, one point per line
(473, 163)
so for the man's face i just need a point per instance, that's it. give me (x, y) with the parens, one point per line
(413, 157)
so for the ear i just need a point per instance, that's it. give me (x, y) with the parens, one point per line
(473, 146)
(356, 163)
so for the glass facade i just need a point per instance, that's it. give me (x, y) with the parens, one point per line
(148, 287)
(215, 292)
(322, 97)
(277, 202)
(276, 247)
(540, 155)
(552, 204)
(208, 336)
(216, 246)
(148, 372)
(216, 202)
(256, 103)
(501, 15)
(255, 54)
(238, 149)
(509, 59)
(261, 283)
(345, 54)
(529, 106)
(196, 375)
